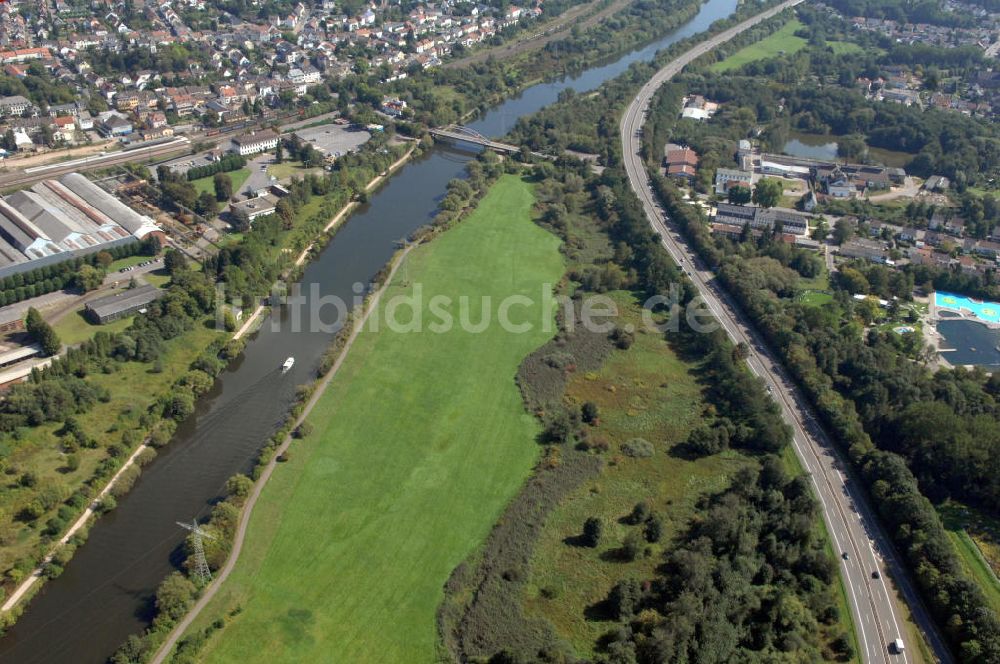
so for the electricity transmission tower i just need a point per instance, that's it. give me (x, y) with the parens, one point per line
(200, 564)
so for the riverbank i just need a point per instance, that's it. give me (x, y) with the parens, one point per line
(213, 587)
(92, 511)
(335, 221)
(105, 595)
(455, 412)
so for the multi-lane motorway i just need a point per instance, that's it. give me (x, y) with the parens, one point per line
(862, 547)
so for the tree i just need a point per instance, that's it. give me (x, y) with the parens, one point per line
(42, 333)
(104, 259)
(739, 194)
(206, 205)
(592, 529)
(279, 153)
(843, 230)
(768, 192)
(174, 596)
(9, 143)
(88, 278)
(589, 412)
(223, 187)
(632, 546)
(286, 212)
(639, 513)
(239, 486)
(174, 262)
(624, 598)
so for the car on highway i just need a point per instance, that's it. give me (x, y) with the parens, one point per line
(876, 575)
(897, 647)
(845, 556)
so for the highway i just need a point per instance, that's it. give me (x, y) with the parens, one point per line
(861, 545)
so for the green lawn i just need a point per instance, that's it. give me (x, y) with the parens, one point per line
(419, 443)
(842, 47)
(128, 261)
(285, 170)
(815, 298)
(208, 184)
(75, 328)
(782, 41)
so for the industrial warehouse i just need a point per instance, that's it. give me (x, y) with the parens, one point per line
(60, 219)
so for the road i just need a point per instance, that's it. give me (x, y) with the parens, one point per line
(857, 537)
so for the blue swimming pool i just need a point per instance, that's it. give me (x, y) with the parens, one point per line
(985, 311)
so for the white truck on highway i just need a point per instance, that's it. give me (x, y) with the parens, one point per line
(898, 647)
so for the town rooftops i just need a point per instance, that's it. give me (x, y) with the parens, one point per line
(256, 137)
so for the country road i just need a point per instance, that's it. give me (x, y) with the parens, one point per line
(860, 543)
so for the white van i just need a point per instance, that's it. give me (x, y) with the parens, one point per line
(898, 647)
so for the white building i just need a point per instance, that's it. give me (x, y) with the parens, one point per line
(255, 142)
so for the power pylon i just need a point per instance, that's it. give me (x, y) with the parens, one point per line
(200, 564)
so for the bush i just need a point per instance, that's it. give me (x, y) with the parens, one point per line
(592, 529)
(638, 448)
(639, 514)
(654, 528)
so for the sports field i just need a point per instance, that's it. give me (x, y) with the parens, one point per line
(419, 442)
(781, 42)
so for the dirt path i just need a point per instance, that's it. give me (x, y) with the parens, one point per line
(37, 573)
(241, 530)
(558, 28)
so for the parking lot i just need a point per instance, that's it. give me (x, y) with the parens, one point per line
(334, 140)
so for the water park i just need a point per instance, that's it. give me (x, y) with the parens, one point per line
(968, 330)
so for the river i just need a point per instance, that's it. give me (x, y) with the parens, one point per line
(106, 591)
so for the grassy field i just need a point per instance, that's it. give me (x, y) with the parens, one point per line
(133, 388)
(815, 298)
(976, 539)
(75, 328)
(647, 392)
(781, 42)
(284, 171)
(419, 442)
(842, 47)
(821, 282)
(208, 184)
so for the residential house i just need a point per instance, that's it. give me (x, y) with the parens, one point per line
(867, 249)
(682, 163)
(14, 105)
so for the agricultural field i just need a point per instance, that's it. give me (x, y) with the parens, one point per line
(418, 444)
(782, 42)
